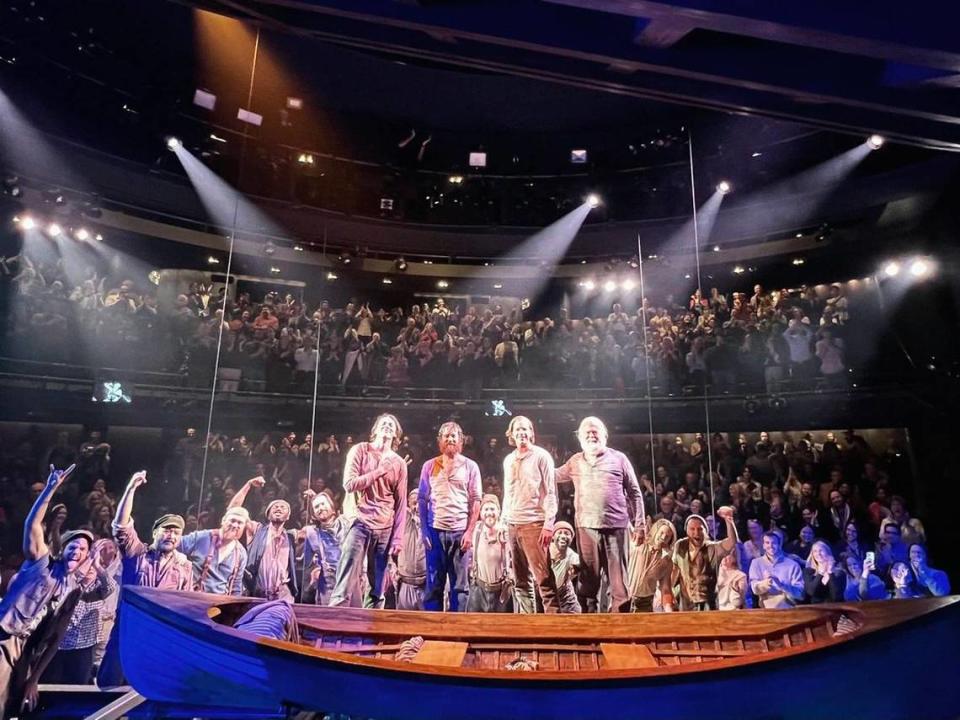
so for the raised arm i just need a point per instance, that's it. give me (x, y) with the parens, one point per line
(729, 543)
(125, 506)
(34, 546)
(241, 495)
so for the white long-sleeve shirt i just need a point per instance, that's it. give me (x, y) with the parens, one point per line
(529, 488)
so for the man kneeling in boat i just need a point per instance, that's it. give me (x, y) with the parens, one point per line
(217, 556)
(776, 579)
(321, 548)
(698, 560)
(271, 570)
(491, 589)
(652, 568)
(159, 565)
(412, 562)
(565, 563)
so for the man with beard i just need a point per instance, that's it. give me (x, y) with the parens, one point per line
(40, 601)
(271, 570)
(698, 560)
(607, 501)
(159, 565)
(652, 568)
(776, 579)
(564, 563)
(375, 508)
(217, 556)
(412, 563)
(321, 549)
(450, 491)
(490, 584)
(529, 512)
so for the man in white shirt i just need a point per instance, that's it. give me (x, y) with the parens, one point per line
(529, 511)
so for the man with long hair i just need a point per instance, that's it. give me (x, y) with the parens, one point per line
(375, 508)
(529, 512)
(449, 500)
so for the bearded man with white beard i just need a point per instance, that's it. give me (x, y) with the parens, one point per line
(608, 509)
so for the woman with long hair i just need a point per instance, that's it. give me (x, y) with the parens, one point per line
(823, 579)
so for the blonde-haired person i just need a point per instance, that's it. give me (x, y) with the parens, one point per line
(824, 580)
(529, 512)
(652, 568)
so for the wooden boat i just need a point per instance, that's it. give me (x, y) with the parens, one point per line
(888, 659)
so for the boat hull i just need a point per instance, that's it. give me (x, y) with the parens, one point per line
(906, 670)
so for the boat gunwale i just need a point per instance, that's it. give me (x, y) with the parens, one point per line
(200, 605)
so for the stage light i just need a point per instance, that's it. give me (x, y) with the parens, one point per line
(798, 261)
(498, 286)
(82, 234)
(589, 285)
(629, 284)
(274, 269)
(98, 237)
(298, 248)
(400, 264)
(305, 159)
(609, 286)
(716, 248)
(443, 284)
(28, 223)
(686, 276)
(174, 144)
(578, 157)
(891, 269)
(920, 268)
(593, 200)
(331, 276)
(387, 281)
(217, 138)
(428, 262)
(204, 99)
(876, 142)
(724, 187)
(739, 270)
(456, 179)
(250, 117)
(213, 261)
(344, 258)
(294, 103)
(54, 230)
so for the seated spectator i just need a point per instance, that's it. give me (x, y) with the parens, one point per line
(800, 548)
(732, 584)
(904, 587)
(927, 581)
(776, 579)
(911, 529)
(862, 583)
(823, 579)
(851, 546)
(890, 547)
